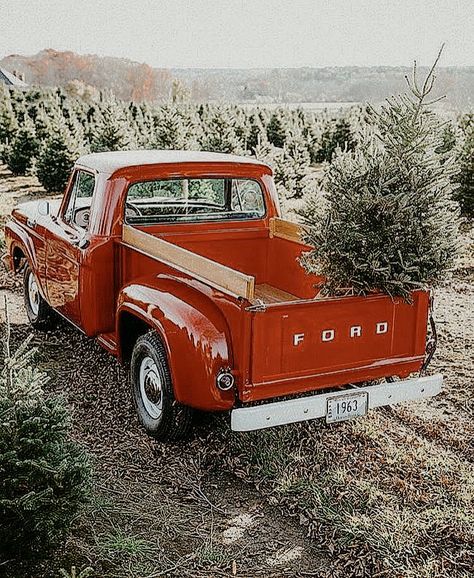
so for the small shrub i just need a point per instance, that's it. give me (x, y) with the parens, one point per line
(44, 475)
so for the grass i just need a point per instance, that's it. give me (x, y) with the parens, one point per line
(371, 489)
(119, 543)
(389, 495)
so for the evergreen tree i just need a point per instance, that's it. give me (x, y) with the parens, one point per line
(113, 132)
(20, 155)
(297, 156)
(171, 132)
(256, 134)
(336, 134)
(220, 132)
(276, 133)
(44, 123)
(386, 220)
(464, 194)
(8, 122)
(57, 157)
(44, 475)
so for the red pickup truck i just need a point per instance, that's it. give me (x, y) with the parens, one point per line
(179, 264)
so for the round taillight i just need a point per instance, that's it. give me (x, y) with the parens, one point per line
(225, 380)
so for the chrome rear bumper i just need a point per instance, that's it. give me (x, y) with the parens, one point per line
(305, 408)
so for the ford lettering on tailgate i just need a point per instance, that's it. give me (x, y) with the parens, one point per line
(333, 336)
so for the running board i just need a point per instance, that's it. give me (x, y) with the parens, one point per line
(108, 342)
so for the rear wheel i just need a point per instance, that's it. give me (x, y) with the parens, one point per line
(40, 314)
(158, 411)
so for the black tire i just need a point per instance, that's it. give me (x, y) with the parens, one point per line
(152, 387)
(40, 314)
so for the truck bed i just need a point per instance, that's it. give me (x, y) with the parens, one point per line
(268, 294)
(256, 263)
(300, 341)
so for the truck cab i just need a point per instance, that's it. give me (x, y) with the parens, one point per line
(180, 265)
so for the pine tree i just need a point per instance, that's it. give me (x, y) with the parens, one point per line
(170, 130)
(44, 475)
(465, 192)
(220, 131)
(337, 134)
(276, 133)
(8, 122)
(297, 156)
(58, 155)
(256, 134)
(113, 131)
(386, 220)
(22, 151)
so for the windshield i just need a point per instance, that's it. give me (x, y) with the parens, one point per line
(199, 199)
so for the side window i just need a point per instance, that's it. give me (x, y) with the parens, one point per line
(79, 206)
(247, 196)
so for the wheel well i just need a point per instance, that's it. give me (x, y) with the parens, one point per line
(18, 258)
(131, 328)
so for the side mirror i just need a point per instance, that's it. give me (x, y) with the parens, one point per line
(43, 208)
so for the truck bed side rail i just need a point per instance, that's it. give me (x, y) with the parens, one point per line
(285, 230)
(210, 272)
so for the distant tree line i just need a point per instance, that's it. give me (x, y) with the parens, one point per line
(43, 131)
(88, 74)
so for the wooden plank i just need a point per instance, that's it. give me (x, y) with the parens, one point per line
(215, 274)
(269, 294)
(285, 229)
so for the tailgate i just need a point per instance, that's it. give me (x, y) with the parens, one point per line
(320, 343)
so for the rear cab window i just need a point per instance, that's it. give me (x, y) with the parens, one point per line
(194, 200)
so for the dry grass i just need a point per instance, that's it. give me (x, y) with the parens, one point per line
(388, 495)
(391, 494)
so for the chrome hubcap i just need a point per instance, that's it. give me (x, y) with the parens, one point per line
(33, 294)
(151, 389)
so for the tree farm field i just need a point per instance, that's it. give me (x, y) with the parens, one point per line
(390, 494)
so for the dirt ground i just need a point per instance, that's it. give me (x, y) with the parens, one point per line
(387, 495)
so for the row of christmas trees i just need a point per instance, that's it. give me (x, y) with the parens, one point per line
(44, 131)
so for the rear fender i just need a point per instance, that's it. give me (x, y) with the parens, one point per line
(194, 331)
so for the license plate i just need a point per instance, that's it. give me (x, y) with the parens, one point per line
(346, 406)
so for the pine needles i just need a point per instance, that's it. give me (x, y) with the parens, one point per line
(385, 219)
(44, 475)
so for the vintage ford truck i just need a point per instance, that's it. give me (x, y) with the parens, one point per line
(179, 264)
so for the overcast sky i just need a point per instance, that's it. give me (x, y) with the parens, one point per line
(245, 33)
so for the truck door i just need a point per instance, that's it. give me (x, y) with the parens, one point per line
(63, 254)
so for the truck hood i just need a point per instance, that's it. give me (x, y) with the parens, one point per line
(29, 210)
